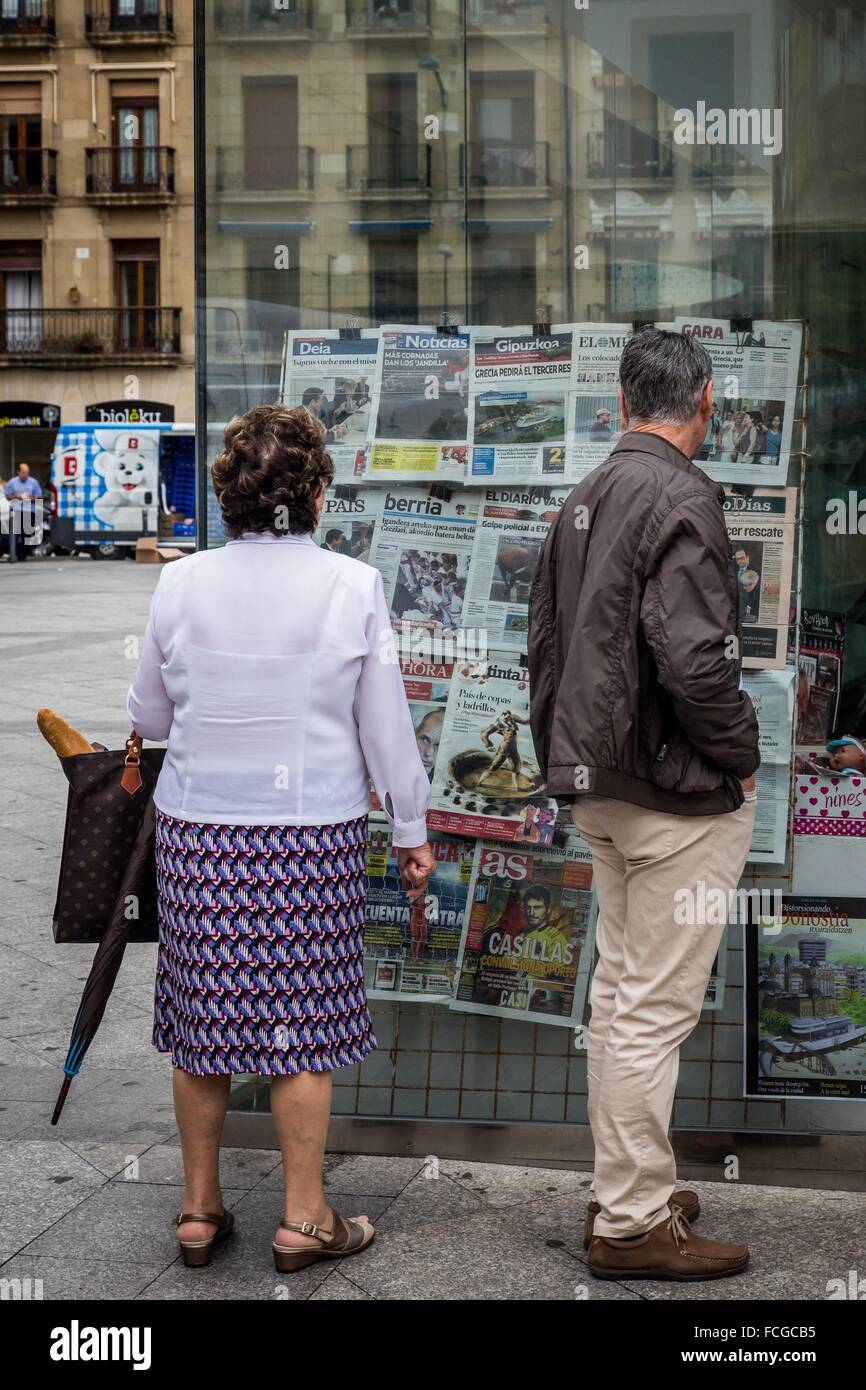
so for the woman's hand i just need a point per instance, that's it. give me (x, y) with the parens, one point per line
(415, 865)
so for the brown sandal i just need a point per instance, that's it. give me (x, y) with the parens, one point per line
(199, 1252)
(348, 1236)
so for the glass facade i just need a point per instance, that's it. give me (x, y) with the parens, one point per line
(522, 162)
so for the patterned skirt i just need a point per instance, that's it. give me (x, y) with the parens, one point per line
(261, 947)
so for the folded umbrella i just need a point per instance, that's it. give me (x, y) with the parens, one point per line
(136, 887)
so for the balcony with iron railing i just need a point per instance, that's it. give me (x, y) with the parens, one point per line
(726, 162)
(87, 337)
(488, 166)
(262, 19)
(282, 170)
(629, 150)
(381, 18)
(389, 170)
(144, 21)
(28, 177)
(27, 24)
(515, 16)
(129, 174)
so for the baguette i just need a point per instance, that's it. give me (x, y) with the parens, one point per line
(63, 738)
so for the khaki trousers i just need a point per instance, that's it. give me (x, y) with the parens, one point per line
(648, 986)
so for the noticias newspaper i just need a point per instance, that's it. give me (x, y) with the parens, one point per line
(769, 1356)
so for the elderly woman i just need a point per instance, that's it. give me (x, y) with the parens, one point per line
(269, 666)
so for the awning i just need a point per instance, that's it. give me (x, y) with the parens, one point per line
(417, 224)
(265, 228)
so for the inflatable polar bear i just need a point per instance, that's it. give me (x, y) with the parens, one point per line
(128, 462)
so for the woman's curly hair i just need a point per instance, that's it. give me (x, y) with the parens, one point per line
(270, 471)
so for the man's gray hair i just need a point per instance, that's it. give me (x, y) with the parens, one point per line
(662, 375)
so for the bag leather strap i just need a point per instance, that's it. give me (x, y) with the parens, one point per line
(131, 778)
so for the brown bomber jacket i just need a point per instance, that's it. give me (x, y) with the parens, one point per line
(634, 651)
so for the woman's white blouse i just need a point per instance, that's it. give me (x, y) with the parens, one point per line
(269, 665)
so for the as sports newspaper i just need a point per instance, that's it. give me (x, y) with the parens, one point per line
(520, 385)
(419, 421)
(487, 779)
(422, 548)
(755, 373)
(410, 949)
(526, 948)
(511, 529)
(333, 378)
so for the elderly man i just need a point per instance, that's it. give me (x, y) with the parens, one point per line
(640, 721)
(22, 492)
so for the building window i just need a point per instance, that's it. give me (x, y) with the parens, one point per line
(394, 279)
(135, 135)
(20, 137)
(21, 295)
(502, 151)
(392, 131)
(136, 293)
(503, 279)
(632, 278)
(270, 152)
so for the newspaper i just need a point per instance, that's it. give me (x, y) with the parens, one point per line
(761, 524)
(487, 779)
(419, 418)
(805, 1016)
(519, 389)
(772, 695)
(526, 948)
(348, 521)
(596, 424)
(422, 547)
(512, 525)
(755, 372)
(819, 677)
(426, 684)
(332, 377)
(410, 949)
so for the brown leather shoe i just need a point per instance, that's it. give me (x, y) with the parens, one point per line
(687, 1201)
(668, 1251)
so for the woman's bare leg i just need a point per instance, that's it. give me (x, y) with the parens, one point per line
(200, 1109)
(301, 1107)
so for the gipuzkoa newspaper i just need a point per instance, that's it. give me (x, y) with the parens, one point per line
(518, 406)
(772, 695)
(595, 425)
(422, 548)
(333, 378)
(526, 948)
(487, 779)
(348, 521)
(512, 525)
(410, 949)
(420, 421)
(761, 524)
(806, 1000)
(755, 372)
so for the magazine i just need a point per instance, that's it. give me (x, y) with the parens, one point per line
(761, 524)
(487, 779)
(512, 525)
(419, 418)
(805, 1023)
(332, 377)
(526, 948)
(422, 547)
(519, 389)
(410, 949)
(755, 374)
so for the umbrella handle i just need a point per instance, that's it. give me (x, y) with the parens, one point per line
(64, 1090)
